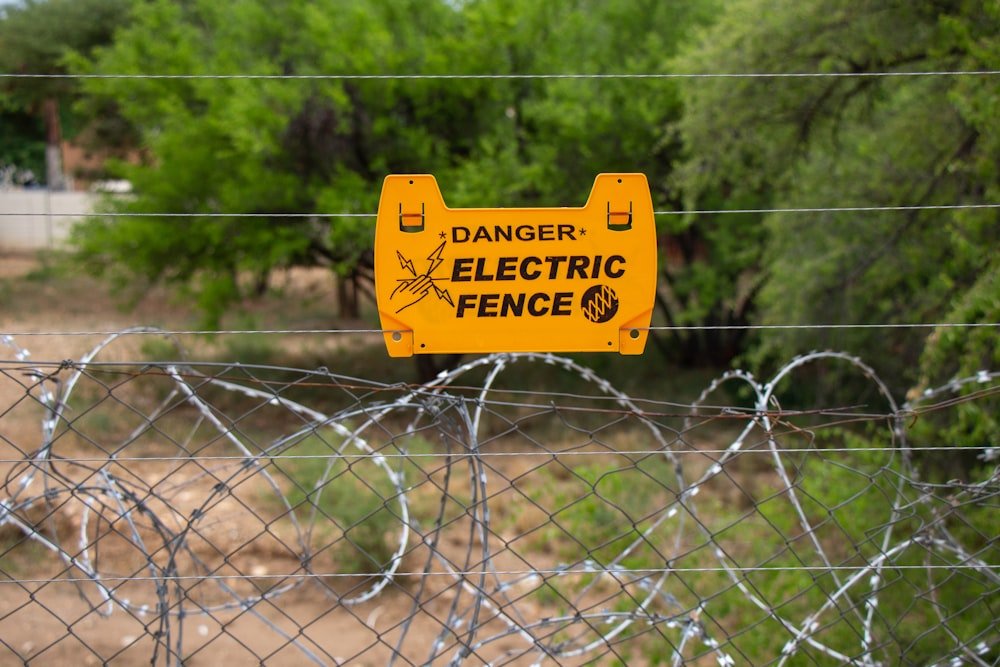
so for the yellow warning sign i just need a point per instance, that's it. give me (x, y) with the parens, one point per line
(515, 279)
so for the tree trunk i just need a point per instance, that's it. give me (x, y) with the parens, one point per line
(429, 365)
(347, 297)
(54, 177)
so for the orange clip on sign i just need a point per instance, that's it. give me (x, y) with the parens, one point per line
(515, 279)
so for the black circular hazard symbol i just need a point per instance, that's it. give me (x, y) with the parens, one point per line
(599, 303)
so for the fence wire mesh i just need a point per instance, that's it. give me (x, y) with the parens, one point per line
(202, 513)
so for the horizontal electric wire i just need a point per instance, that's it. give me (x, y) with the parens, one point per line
(80, 214)
(679, 327)
(491, 77)
(546, 572)
(830, 209)
(753, 327)
(485, 454)
(721, 211)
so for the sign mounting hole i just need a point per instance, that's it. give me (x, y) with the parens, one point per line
(396, 336)
(634, 333)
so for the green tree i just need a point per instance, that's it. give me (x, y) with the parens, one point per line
(35, 37)
(268, 147)
(849, 141)
(295, 146)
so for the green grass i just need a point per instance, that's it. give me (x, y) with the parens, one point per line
(19, 555)
(251, 349)
(6, 291)
(597, 512)
(157, 348)
(52, 265)
(847, 499)
(350, 500)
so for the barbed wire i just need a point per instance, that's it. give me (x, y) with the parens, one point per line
(651, 408)
(441, 524)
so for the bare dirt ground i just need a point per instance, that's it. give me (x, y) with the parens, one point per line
(47, 619)
(42, 295)
(55, 303)
(55, 622)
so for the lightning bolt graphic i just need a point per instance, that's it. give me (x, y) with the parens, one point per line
(406, 264)
(416, 288)
(443, 294)
(434, 258)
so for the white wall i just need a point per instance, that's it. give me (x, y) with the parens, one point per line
(51, 216)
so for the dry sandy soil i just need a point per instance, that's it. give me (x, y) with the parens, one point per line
(42, 296)
(53, 623)
(47, 620)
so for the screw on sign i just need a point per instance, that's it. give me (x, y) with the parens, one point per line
(515, 279)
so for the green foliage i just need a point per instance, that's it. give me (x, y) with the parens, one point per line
(889, 141)
(37, 37)
(284, 147)
(238, 146)
(955, 354)
(950, 353)
(251, 349)
(22, 142)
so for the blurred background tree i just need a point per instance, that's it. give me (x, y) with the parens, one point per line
(853, 141)
(278, 146)
(290, 151)
(35, 37)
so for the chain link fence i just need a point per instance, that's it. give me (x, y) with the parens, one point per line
(193, 513)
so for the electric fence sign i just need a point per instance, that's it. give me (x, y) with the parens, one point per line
(515, 279)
